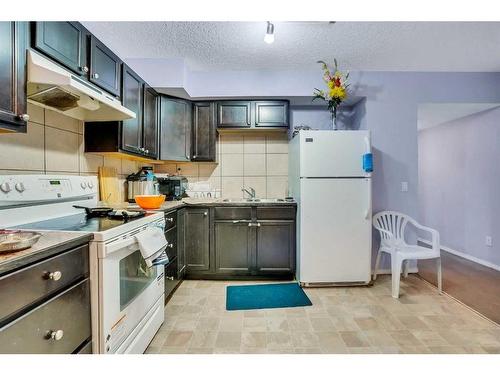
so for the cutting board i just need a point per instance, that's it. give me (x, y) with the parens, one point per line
(109, 185)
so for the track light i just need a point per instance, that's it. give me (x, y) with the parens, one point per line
(269, 37)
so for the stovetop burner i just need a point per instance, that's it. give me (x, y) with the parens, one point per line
(126, 215)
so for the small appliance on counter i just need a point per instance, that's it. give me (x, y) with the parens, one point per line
(173, 187)
(143, 182)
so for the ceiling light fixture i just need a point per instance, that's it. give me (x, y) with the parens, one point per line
(269, 37)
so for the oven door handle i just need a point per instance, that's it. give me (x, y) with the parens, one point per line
(118, 245)
(124, 243)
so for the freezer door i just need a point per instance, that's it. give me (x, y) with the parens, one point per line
(335, 231)
(326, 153)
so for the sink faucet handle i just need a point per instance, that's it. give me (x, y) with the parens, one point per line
(251, 192)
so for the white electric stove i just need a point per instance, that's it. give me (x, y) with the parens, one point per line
(126, 295)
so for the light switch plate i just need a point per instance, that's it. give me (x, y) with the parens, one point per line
(404, 186)
(489, 241)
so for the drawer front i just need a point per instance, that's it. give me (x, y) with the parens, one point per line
(171, 249)
(68, 314)
(233, 213)
(31, 284)
(275, 213)
(170, 220)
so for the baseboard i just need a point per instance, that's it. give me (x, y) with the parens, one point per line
(387, 271)
(464, 255)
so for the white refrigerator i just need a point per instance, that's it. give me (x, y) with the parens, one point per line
(329, 177)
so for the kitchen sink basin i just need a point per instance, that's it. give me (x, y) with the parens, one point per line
(256, 200)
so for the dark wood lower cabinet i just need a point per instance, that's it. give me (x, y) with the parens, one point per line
(232, 242)
(181, 248)
(197, 239)
(234, 245)
(275, 247)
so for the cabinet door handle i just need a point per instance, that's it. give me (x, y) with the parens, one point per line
(205, 213)
(171, 278)
(24, 117)
(95, 75)
(84, 69)
(171, 219)
(241, 221)
(254, 224)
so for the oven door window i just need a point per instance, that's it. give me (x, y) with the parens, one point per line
(135, 276)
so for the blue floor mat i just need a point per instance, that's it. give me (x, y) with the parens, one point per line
(265, 296)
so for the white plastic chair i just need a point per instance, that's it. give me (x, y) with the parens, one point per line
(391, 226)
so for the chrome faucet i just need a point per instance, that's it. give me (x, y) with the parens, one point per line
(251, 192)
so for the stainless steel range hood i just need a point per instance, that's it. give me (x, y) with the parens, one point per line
(52, 86)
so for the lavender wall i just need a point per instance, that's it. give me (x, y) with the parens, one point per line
(459, 183)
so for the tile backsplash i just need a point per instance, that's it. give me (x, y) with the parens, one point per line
(54, 145)
(259, 161)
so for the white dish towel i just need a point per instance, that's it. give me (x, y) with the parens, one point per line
(152, 244)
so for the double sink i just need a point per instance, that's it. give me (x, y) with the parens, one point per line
(256, 200)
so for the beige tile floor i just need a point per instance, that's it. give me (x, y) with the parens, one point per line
(341, 320)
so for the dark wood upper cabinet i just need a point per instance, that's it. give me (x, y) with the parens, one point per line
(252, 114)
(104, 67)
(204, 136)
(234, 114)
(271, 114)
(175, 128)
(150, 122)
(13, 103)
(64, 42)
(137, 136)
(72, 46)
(132, 98)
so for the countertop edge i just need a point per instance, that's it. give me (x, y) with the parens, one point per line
(25, 260)
(183, 204)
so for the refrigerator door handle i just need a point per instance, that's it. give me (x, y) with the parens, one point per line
(369, 208)
(367, 143)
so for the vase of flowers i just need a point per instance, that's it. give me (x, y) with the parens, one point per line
(336, 91)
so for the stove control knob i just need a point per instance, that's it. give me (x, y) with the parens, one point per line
(20, 187)
(5, 187)
(90, 184)
(83, 185)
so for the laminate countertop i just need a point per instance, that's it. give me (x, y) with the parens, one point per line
(51, 243)
(216, 202)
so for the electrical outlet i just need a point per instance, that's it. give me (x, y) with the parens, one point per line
(489, 241)
(404, 186)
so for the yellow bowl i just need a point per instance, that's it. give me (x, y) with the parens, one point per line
(149, 202)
